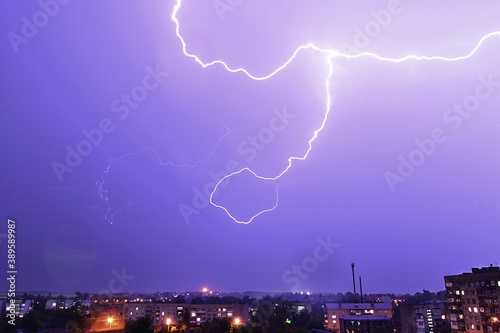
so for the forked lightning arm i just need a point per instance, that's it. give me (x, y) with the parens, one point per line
(330, 55)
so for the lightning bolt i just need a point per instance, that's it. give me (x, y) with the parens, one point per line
(330, 55)
(103, 193)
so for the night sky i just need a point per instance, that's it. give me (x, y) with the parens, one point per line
(114, 134)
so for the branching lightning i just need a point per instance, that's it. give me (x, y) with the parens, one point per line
(103, 193)
(330, 55)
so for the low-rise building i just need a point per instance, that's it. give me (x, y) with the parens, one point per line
(365, 324)
(200, 313)
(336, 311)
(174, 313)
(157, 312)
(21, 307)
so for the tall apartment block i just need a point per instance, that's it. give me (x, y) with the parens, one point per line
(474, 300)
(425, 317)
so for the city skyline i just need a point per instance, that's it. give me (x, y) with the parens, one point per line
(249, 146)
(470, 304)
(206, 291)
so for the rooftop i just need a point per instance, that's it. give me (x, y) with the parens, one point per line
(490, 269)
(365, 317)
(362, 306)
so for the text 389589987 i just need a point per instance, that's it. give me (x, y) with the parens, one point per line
(11, 270)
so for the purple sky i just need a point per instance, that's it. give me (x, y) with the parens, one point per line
(402, 180)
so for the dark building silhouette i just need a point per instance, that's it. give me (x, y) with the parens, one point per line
(425, 317)
(365, 324)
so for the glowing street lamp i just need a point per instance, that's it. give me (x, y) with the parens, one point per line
(168, 324)
(110, 321)
(236, 322)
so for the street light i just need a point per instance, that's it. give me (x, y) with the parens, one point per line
(168, 324)
(236, 322)
(110, 321)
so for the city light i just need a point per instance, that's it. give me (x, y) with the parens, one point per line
(110, 321)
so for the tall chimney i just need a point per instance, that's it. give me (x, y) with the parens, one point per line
(353, 281)
(360, 290)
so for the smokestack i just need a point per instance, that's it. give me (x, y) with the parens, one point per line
(360, 290)
(353, 281)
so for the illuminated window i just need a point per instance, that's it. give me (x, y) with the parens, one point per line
(475, 309)
(334, 316)
(334, 321)
(472, 326)
(443, 317)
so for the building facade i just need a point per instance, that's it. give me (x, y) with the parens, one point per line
(426, 317)
(19, 307)
(201, 313)
(336, 311)
(366, 324)
(474, 300)
(174, 313)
